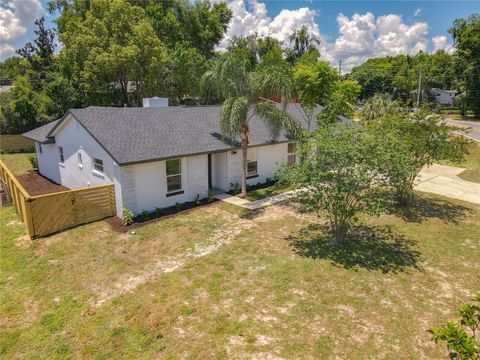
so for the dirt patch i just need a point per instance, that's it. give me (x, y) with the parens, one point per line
(36, 184)
(221, 237)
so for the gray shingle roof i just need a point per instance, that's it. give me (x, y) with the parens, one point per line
(132, 135)
(40, 133)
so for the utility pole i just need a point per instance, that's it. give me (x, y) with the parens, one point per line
(340, 68)
(419, 89)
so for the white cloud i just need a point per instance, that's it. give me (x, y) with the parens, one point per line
(6, 50)
(441, 42)
(361, 36)
(417, 12)
(16, 18)
(250, 17)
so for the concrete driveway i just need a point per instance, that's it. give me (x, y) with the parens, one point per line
(443, 180)
(474, 126)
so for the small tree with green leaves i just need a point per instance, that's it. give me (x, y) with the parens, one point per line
(411, 142)
(337, 176)
(462, 338)
(380, 105)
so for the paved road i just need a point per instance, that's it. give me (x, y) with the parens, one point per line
(474, 133)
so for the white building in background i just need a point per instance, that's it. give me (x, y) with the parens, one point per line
(445, 97)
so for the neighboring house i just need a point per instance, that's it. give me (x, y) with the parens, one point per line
(445, 97)
(155, 156)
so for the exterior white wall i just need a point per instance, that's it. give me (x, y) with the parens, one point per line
(268, 158)
(75, 139)
(48, 161)
(145, 185)
(444, 97)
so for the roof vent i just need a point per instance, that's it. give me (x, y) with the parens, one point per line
(155, 102)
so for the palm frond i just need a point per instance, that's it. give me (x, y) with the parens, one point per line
(277, 119)
(272, 80)
(234, 116)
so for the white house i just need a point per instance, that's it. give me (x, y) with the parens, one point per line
(155, 156)
(444, 96)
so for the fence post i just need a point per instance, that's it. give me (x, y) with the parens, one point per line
(29, 217)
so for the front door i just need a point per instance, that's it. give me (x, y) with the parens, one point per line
(209, 171)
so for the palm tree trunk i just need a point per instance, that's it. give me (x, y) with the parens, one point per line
(244, 138)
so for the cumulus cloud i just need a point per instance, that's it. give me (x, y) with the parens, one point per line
(441, 42)
(16, 17)
(250, 17)
(361, 36)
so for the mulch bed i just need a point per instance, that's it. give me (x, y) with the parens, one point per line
(117, 224)
(36, 184)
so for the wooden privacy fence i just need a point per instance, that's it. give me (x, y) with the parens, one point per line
(47, 214)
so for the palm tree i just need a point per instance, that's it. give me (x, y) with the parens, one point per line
(244, 88)
(302, 41)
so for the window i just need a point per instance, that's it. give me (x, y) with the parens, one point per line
(60, 153)
(98, 165)
(292, 156)
(174, 175)
(80, 162)
(40, 150)
(251, 168)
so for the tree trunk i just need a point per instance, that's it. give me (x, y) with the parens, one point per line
(340, 230)
(244, 137)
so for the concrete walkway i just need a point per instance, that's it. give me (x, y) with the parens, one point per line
(436, 179)
(443, 180)
(257, 204)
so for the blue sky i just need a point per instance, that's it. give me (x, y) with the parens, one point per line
(351, 31)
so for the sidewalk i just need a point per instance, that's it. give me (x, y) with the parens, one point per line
(443, 180)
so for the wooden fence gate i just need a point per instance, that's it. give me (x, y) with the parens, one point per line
(47, 214)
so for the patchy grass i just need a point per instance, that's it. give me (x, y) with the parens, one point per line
(275, 289)
(266, 192)
(471, 163)
(18, 163)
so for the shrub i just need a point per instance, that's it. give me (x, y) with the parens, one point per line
(463, 340)
(158, 212)
(145, 215)
(178, 206)
(197, 200)
(33, 161)
(211, 196)
(127, 216)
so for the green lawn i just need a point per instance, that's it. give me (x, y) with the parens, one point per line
(471, 163)
(17, 162)
(219, 282)
(266, 192)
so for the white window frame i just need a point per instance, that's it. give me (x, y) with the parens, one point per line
(61, 155)
(292, 154)
(249, 174)
(101, 172)
(172, 175)
(80, 160)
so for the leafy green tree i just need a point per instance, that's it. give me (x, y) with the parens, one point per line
(315, 82)
(40, 54)
(244, 88)
(337, 176)
(18, 112)
(12, 67)
(111, 48)
(201, 24)
(380, 105)
(183, 70)
(409, 143)
(466, 38)
(268, 44)
(463, 338)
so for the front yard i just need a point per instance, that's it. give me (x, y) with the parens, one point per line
(218, 282)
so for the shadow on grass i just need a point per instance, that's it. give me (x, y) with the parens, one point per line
(370, 248)
(427, 208)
